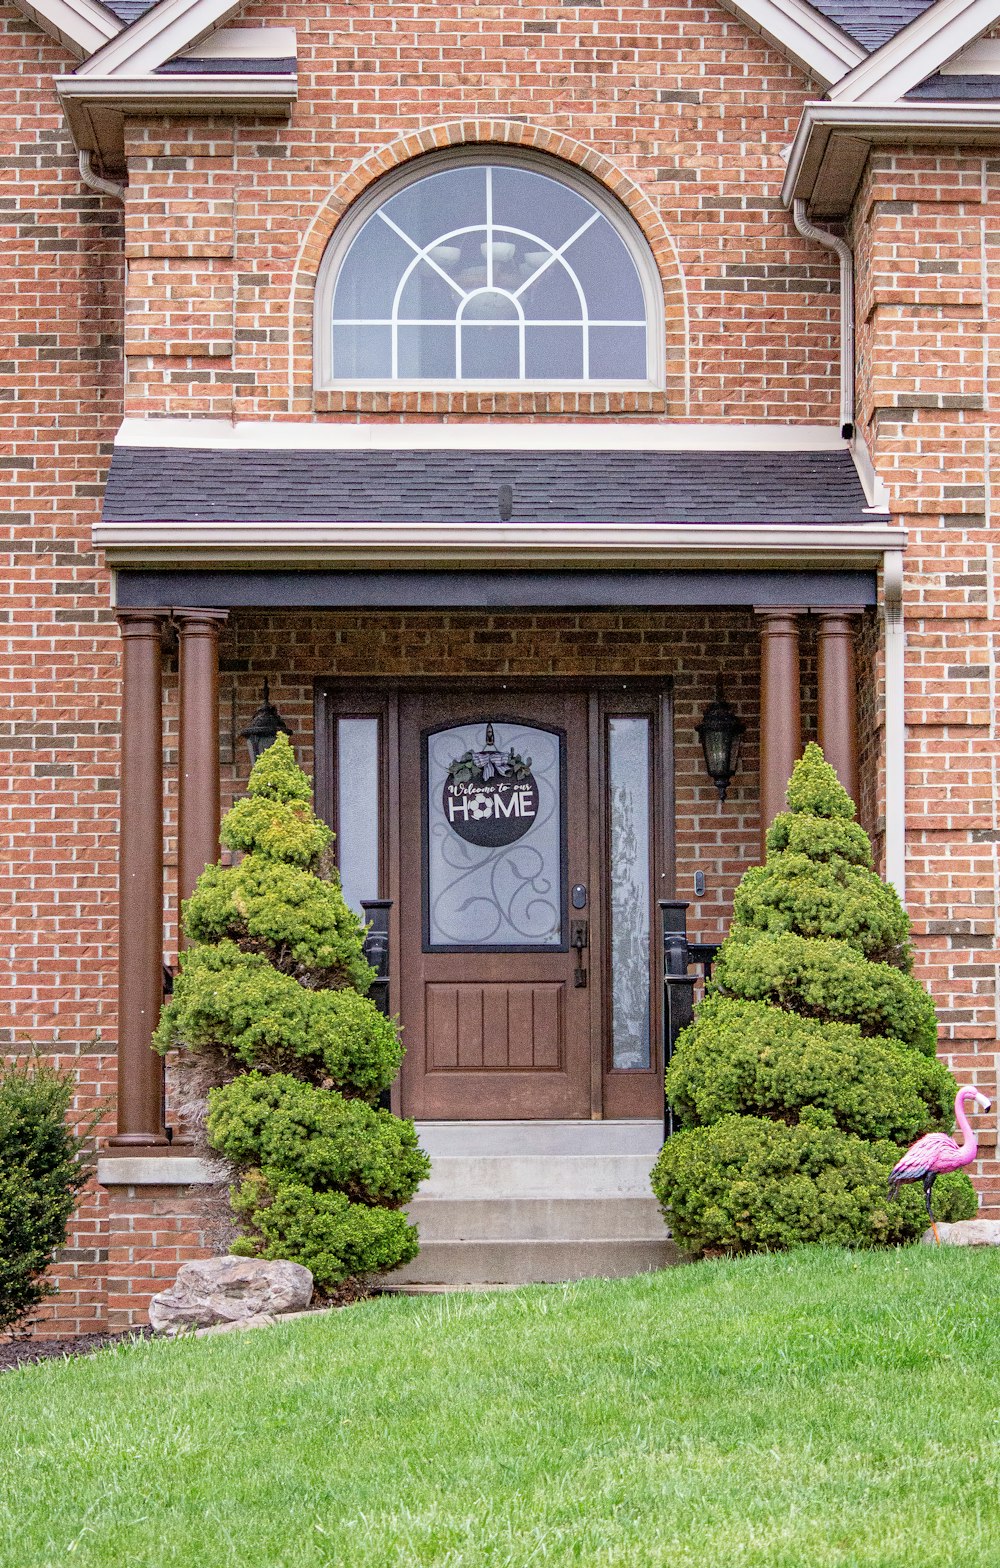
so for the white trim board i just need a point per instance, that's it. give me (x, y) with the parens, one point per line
(815, 44)
(443, 545)
(82, 25)
(610, 436)
(168, 29)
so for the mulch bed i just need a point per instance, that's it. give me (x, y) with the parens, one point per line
(23, 1350)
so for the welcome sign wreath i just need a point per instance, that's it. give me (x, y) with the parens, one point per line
(490, 798)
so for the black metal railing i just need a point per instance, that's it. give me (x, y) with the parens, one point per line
(679, 984)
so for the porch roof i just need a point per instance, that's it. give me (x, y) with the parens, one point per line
(283, 487)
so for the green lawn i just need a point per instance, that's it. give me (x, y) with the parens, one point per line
(790, 1412)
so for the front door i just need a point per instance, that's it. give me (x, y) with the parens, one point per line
(523, 833)
(495, 892)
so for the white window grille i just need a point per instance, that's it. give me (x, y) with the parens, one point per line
(478, 271)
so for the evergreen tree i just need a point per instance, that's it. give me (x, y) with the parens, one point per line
(811, 1063)
(273, 991)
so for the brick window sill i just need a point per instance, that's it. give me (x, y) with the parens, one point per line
(553, 404)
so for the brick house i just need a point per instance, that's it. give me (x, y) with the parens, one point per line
(508, 378)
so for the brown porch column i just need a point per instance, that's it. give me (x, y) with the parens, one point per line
(780, 710)
(198, 787)
(140, 881)
(838, 697)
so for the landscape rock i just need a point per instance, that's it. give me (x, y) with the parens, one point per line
(230, 1290)
(966, 1233)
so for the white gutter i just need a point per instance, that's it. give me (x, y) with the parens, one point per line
(843, 251)
(188, 94)
(895, 725)
(460, 545)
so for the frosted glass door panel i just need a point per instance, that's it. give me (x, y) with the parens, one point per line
(493, 837)
(358, 794)
(628, 770)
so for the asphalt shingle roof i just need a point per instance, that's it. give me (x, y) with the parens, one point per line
(129, 10)
(956, 89)
(213, 486)
(227, 65)
(871, 23)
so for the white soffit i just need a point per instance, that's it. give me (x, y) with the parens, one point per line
(288, 435)
(920, 50)
(815, 43)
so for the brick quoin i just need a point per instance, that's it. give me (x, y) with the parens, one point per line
(682, 114)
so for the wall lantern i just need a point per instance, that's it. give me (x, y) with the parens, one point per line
(720, 733)
(264, 728)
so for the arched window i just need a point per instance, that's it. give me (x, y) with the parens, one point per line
(488, 269)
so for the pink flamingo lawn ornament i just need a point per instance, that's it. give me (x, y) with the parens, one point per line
(935, 1153)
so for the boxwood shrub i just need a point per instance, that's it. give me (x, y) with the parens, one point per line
(41, 1172)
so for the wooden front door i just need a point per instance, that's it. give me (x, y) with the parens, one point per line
(507, 824)
(494, 905)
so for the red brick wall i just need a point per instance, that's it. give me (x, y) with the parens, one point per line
(928, 255)
(681, 109)
(60, 395)
(686, 114)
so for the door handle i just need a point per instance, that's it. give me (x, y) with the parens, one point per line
(579, 937)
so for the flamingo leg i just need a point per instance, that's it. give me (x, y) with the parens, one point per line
(928, 1186)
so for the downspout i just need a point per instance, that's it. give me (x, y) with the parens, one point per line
(841, 248)
(97, 182)
(895, 724)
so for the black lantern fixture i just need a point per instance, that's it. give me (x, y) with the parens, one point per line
(720, 733)
(264, 728)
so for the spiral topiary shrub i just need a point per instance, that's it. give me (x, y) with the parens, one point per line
(810, 1065)
(273, 995)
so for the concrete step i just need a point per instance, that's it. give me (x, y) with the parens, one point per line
(536, 1219)
(539, 1176)
(476, 1263)
(541, 1137)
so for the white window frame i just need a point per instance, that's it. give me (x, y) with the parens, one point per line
(536, 163)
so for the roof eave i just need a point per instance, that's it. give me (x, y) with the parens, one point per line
(96, 107)
(833, 142)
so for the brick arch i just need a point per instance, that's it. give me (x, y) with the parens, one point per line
(509, 133)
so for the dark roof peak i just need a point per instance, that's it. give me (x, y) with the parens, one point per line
(871, 23)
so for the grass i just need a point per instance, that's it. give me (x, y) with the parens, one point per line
(791, 1412)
